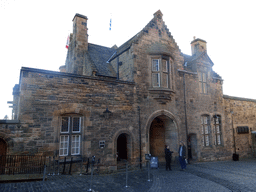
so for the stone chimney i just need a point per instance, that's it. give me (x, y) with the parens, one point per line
(198, 46)
(62, 68)
(79, 44)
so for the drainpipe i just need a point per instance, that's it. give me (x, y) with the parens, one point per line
(185, 111)
(234, 139)
(139, 135)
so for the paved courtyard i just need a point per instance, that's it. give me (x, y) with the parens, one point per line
(208, 176)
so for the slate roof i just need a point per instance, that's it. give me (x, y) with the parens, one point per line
(99, 56)
(191, 62)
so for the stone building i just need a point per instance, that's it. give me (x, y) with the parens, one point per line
(131, 100)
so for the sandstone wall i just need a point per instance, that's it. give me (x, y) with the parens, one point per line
(45, 96)
(240, 112)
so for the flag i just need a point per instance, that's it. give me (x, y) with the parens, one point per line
(67, 45)
(110, 25)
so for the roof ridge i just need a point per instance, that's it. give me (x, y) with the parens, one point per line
(100, 46)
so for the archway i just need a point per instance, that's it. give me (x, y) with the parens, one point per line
(122, 147)
(3, 150)
(163, 131)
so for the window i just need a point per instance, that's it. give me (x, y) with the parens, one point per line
(217, 129)
(205, 127)
(70, 136)
(202, 82)
(160, 73)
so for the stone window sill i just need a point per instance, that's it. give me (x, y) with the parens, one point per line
(160, 90)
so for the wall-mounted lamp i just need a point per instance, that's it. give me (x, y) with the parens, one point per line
(107, 114)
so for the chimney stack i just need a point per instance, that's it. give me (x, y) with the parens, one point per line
(79, 44)
(198, 46)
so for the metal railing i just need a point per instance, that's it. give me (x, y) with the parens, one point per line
(54, 166)
(21, 164)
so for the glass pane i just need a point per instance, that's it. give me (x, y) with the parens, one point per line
(75, 144)
(64, 124)
(61, 151)
(206, 129)
(218, 128)
(206, 140)
(200, 76)
(205, 120)
(76, 124)
(201, 87)
(218, 138)
(165, 66)
(165, 80)
(203, 141)
(155, 64)
(156, 79)
(202, 129)
(202, 120)
(64, 144)
(217, 120)
(204, 88)
(204, 77)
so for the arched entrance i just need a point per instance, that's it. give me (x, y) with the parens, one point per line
(122, 147)
(163, 131)
(3, 150)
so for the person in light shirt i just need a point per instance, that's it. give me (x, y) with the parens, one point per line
(182, 156)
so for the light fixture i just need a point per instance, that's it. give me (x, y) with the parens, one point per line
(107, 114)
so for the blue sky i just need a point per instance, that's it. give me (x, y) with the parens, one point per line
(33, 34)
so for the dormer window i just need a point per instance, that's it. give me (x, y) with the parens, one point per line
(160, 73)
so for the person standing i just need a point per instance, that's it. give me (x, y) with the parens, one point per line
(168, 158)
(182, 156)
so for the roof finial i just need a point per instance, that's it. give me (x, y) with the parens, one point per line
(194, 37)
(158, 14)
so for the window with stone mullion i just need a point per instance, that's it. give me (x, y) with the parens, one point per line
(202, 82)
(205, 128)
(217, 129)
(156, 72)
(160, 73)
(70, 136)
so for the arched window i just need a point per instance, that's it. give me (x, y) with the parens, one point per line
(70, 135)
(217, 129)
(205, 128)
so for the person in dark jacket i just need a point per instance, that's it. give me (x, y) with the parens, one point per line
(182, 156)
(168, 157)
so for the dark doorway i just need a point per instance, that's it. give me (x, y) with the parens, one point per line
(3, 150)
(193, 146)
(122, 147)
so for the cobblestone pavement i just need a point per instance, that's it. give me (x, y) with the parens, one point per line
(209, 176)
